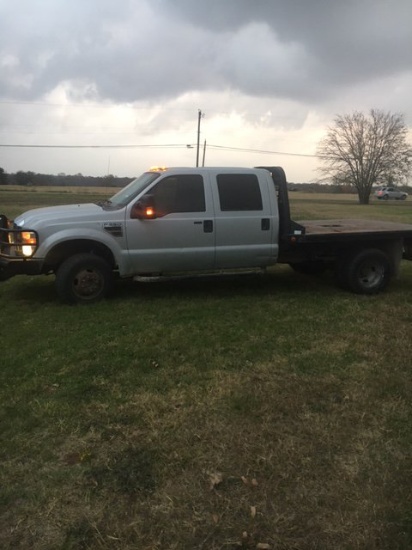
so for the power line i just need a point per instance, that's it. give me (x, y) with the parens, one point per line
(161, 146)
(43, 146)
(262, 151)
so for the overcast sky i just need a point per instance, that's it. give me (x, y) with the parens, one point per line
(269, 75)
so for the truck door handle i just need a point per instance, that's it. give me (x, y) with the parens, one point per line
(265, 225)
(208, 226)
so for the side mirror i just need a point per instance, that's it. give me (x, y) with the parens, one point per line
(144, 209)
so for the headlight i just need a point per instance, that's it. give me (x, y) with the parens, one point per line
(23, 242)
(28, 250)
(29, 243)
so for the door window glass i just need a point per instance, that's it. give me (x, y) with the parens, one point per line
(183, 193)
(239, 192)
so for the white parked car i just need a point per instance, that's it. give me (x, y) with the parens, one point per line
(386, 193)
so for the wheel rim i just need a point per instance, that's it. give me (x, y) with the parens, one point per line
(87, 284)
(371, 274)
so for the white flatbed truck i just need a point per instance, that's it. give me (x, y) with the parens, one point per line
(195, 220)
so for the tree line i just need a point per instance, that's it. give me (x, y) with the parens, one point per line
(63, 180)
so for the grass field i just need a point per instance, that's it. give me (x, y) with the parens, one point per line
(269, 412)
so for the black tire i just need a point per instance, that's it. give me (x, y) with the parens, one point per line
(309, 268)
(385, 197)
(365, 272)
(83, 278)
(403, 198)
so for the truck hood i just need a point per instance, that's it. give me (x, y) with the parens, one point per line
(70, 213)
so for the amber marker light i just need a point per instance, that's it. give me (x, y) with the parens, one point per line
(158, 169)
(149, 212)
(28, 237)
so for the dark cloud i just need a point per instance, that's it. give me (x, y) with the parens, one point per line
(131, 51)
(347, 41)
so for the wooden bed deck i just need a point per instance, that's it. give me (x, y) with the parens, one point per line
(339, 227)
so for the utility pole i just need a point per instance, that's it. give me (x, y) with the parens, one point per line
(199, 116)
(204, 153)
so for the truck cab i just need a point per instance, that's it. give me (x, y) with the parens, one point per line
(203, 219)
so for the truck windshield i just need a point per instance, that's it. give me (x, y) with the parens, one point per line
(128, 193)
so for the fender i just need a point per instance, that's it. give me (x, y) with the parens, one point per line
(117, 245)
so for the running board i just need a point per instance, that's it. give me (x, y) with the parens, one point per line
(194, 275)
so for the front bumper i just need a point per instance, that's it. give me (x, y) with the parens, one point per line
(9, 267)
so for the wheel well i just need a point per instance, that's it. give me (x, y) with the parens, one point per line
(64, 250)
(392, 249)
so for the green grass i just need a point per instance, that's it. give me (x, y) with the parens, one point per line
(15, 200)
(324, 206)
(208, 414)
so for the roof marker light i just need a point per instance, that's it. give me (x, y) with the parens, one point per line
(158, 169)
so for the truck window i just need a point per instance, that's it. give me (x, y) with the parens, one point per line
(183, 193)
(239, 192)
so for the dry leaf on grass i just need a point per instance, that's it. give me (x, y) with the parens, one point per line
(216, 479)
(253, 482)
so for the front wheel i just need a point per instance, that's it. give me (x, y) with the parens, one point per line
(83, 278)
(366, 272)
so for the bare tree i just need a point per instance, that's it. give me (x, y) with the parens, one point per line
(365, 150)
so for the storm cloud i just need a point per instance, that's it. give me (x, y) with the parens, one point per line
(128, 51)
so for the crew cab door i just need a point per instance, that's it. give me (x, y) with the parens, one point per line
(176, 230)
(245, 220)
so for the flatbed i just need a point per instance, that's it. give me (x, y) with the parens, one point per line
(356, 228)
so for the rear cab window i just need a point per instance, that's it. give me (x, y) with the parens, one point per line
(239, 192)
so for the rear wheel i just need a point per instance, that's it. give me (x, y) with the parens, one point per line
(83, 278)
(366, 272)
(385, 197)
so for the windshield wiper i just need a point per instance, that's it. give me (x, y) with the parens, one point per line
(106, 202)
